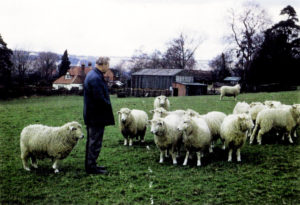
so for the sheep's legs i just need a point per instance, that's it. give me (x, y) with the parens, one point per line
(125, 141)
(290, 138)
(161, 157)
(166, 153)
(198, 158)
(130, 141)
(210, 149)
(55, 166)
(24, 158)
(173, 154)
(186, 158)
(230, 155)
(238, 155)
(34, 162)
(253, 134)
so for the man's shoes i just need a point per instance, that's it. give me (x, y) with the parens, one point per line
(96, 170)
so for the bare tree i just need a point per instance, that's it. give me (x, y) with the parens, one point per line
(247, 29)
(180, 52)
(21, 60)
(46, 64)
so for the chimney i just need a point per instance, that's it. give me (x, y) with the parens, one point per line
(82, 70)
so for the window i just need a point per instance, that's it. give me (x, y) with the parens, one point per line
(68, 76)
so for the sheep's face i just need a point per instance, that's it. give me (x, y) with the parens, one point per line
(157, 127)
(185, 125)
(162, 100)
(76, 130)
(159, 112)
(245, 122)
(124, 115)
(296, 112)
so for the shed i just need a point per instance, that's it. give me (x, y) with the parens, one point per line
(233, 80)
(154, 78)
(189, 89)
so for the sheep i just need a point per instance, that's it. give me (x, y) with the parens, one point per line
(132, 123)
(272, 103)
(162, 101)
(161, 113)
(241, 107)
(40, 141)
(167, 136)
(234, 133)
(255, 108)
(230, 91)
(286, 118)
(214, 121)
(196, 136)
(192, 113)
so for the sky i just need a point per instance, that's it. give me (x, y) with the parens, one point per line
(118, 28)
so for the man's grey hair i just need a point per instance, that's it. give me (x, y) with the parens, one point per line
(102, 61)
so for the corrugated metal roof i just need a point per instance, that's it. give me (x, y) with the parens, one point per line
(232, 78)
(158, 72)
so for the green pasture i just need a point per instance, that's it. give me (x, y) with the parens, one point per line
(268, 174)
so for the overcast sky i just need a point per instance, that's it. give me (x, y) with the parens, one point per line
(119, 27)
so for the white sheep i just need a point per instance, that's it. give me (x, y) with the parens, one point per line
(272, 104)
(285, 118)
(214, 121)
(234, 133)
(241, 107)
(167, 136)
(162, 101)
(192, 113)
(196, 136)
(40, 141)
(255, 108)
(132, 123)
(161, 113)
(230, 91)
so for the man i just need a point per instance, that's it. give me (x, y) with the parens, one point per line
(97, 113)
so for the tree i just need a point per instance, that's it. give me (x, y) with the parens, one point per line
(180, 53)
(247, 33)
(221, 66)
(46, 64)
(65, 64)
(279, 56)
(5, 63)
(21, 60)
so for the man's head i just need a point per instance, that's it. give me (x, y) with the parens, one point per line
(102, 64)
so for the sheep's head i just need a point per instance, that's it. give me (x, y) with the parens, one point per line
(253, 104)
(295, 110)
(162, 100)
(75, 130)
(191, 113)
(157, 127)
(159, 112)
(124, 114)
(245, 122)
(185, 125)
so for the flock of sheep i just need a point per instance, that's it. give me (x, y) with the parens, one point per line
(198, 133)
(172, 129)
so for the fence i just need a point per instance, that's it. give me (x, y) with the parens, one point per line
(138, 92)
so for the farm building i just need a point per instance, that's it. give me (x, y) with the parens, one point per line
(180, 81)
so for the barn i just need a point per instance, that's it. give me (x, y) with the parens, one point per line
(179, 81)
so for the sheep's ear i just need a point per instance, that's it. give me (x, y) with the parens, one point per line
(149, 122)
(119, 112)
(72, 128)
(151, 111)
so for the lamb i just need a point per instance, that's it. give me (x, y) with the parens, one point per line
(162, 101)
(166, 135)
(286, 118)
(161, 113)
(230, 91)
(132, 123)
(255, 108)
(241, 107)
(196, 136)
(40, 141)
(234, 133)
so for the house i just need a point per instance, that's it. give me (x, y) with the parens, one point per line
(74, 78)
(181, 82)
(112, 75)
(232, 80)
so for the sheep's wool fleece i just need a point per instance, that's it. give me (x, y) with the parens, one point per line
(45, 141)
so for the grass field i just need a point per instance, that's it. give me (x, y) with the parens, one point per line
(268, 174)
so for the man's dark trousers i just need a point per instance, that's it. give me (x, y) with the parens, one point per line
(93, 145)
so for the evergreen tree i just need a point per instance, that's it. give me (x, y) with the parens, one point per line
(278, 60)
(65, 64)
(5, 63)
